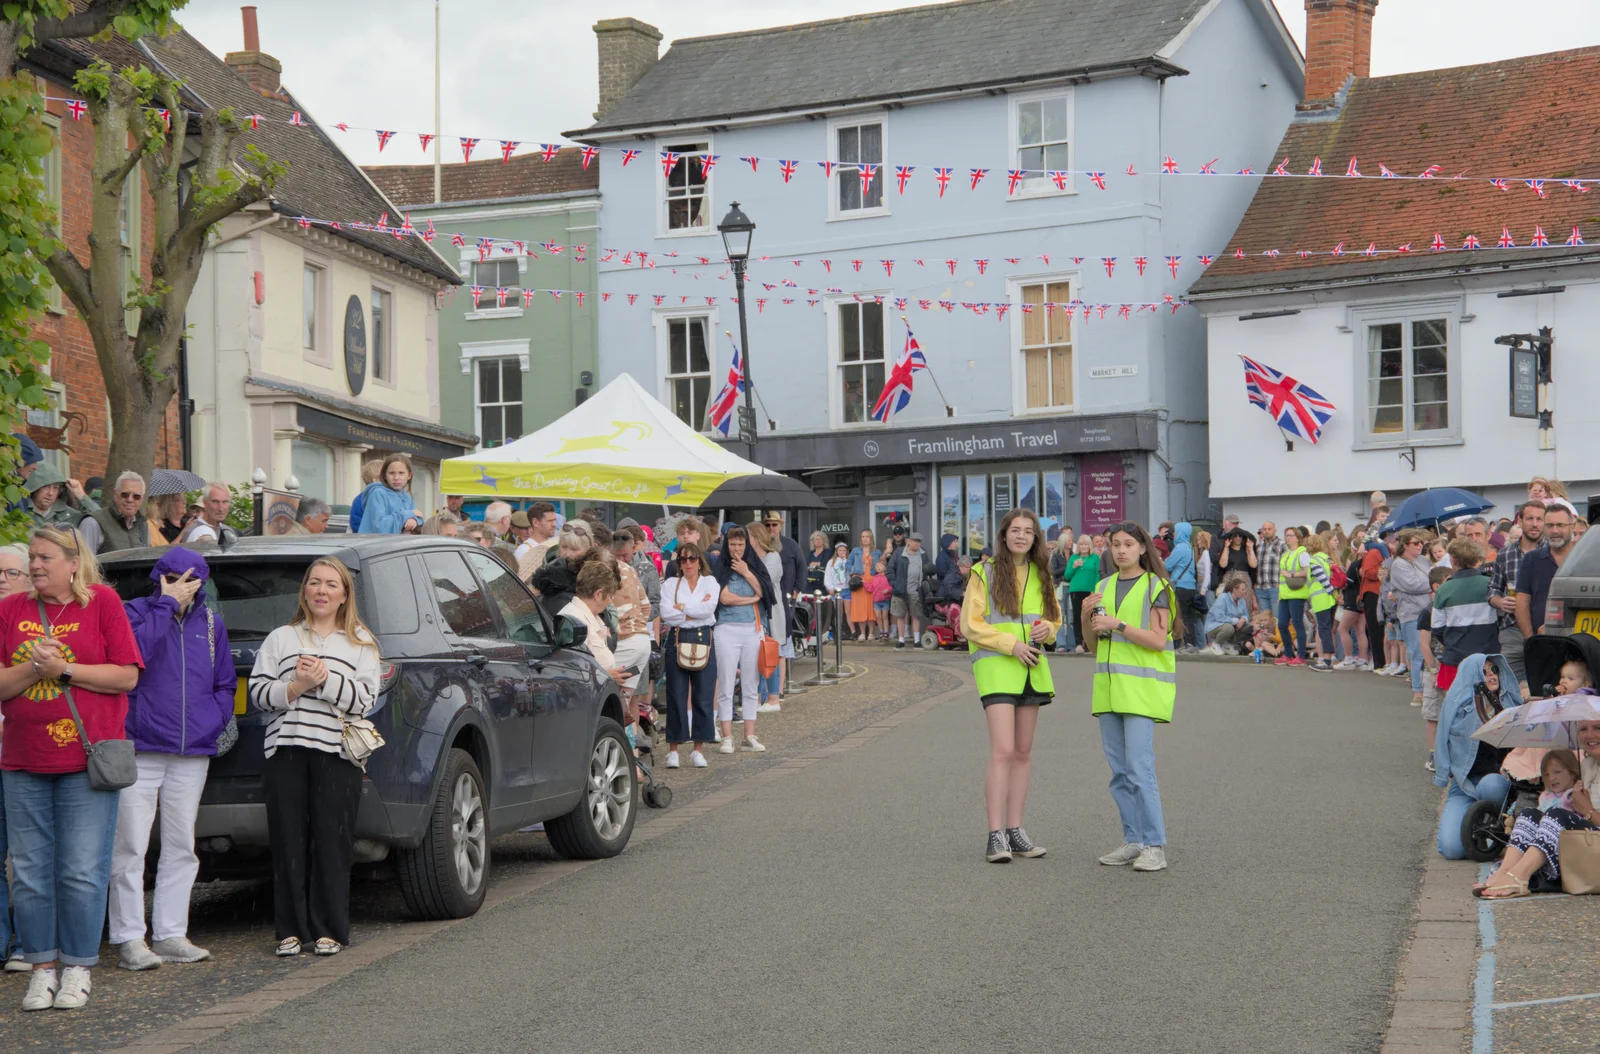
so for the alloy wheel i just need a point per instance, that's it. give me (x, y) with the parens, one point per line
(610, 788)
(468, 837)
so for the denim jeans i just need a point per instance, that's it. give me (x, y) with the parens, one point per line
(1291, 615)
(1130, 747)
(769, 685)
(60, 834)
(1493, 787)
(1267, 600)
(5, 888)
(1412, 636)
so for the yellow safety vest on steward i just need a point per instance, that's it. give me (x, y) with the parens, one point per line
(1129, 679)
(1321, 598)
(1289, 563)
(998, 673)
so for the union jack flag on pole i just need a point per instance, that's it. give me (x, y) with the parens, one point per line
(897, 386)
(1299, 411)
(720, 412)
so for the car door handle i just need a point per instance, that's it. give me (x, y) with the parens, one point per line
(478, 659)
(537, 664)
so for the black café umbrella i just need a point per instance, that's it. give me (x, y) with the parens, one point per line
(770, 490)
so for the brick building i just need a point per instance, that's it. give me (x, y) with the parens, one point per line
(77, 388)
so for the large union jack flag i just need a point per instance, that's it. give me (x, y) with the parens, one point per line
(897, 386)
(720, 412)
(1298, 410)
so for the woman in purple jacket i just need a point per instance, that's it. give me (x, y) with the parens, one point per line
(181, 706)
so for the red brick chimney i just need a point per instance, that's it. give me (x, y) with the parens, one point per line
(254, 65)
(1338, 45)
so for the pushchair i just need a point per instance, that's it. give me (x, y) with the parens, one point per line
(1486, 827)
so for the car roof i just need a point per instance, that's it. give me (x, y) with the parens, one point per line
(352, 549)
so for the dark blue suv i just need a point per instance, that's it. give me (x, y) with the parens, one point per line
(495, 715)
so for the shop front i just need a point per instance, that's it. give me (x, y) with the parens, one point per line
(1082, 472)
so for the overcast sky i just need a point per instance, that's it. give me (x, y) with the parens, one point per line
(525, 69)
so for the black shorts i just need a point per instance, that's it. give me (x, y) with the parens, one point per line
(1029, 696)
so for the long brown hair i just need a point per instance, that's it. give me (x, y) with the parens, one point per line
(1150, 562)
(1566, 759)
(345, 619)
(1004, 586)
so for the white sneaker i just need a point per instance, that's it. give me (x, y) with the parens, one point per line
(1127, 854)
(726, 746)
(179, 950)
(698, 760)
(74, 991)
(716, 735)
(15, 963)
(769, 708)
(1151, 858)
(42, 988)
(1215, 649)
(754, 745)
(672, 759)
(134, 955)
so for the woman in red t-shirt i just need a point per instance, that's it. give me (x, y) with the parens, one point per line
(61, 829)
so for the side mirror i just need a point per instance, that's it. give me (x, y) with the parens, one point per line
(570, 633)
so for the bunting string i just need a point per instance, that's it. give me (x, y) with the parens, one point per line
(1015, 180)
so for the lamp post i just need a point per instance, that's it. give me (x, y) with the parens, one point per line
(736, 229)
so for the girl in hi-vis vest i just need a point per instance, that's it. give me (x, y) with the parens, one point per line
(1007, 614)
(1134, 616)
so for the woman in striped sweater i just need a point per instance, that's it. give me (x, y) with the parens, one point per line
(310, 676)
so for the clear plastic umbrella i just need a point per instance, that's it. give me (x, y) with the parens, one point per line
(1543, 723)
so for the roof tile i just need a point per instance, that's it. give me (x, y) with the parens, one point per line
(525, 175)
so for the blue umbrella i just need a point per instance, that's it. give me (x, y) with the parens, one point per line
(1429, 507)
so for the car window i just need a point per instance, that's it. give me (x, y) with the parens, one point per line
(460, 600)
(392, 607)
(518, 610)
(253, 598)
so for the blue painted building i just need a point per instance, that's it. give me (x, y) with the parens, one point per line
(1088, 420)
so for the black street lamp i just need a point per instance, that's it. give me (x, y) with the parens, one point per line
(736, 229)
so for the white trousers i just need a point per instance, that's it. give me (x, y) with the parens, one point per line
(738, 646)
(173, 783)
(633, 651)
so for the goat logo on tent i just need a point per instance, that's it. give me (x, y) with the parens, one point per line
(580, 444)
(492, 482)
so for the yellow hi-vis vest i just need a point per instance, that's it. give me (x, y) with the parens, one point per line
(1129, 679)
(1001, 673)
(1289, 563)
(1321, 598)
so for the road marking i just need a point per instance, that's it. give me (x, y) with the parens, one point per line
(1545, 1002)
(1483, 986)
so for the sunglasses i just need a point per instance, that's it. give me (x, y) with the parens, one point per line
(688, 559)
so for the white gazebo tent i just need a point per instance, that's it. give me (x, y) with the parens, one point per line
(620, 445)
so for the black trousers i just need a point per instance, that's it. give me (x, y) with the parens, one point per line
(312, 797)
(685, 688)
(1369, 607)
(1076, 600)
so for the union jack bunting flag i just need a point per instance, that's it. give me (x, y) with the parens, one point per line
(1500, 184)
(941, 176)
(1172, 264)
(1576, 238)
(549, 150)
(1207, 169)
(1537, 186)
(867, 172)
(1576, 184)
(1169, 166)
(425, 139)
(1013, 179)
(1110, 262)
(255, 120)
(1298, 410)
(1282, 169)
(1060, 178)
(753, 161)
(467, 145)
(1438, 242)
(507, 148)
(787, 168)
(977, 176)
(1384, 171)
(383, 138)
(1540, 239)
(1352, 171)
(296, 119)
(628, 155)
(1316, 167)
(897, 386)
(1471, 242)
(827, 168)
(589, 154)
(457, 239)
(902, 173)
(1140, 262)
(669, 160)
(1432, 171)
(720, 413)
(1506, 241)
(708, 162)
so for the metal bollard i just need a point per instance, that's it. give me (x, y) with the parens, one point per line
(815, 601)
(792, 685)
(839, 673)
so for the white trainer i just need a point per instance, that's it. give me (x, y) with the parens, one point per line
(769, 708)
(74, 991)
(134, 955)
(15, 964)
(42, 988)
(698, 760)
(672, 759)
(754, 745)
(1127, 854)
(1151, 858)
(179, 950)
(726, 746)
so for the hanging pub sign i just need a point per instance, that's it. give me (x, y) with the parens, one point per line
(1524, 383)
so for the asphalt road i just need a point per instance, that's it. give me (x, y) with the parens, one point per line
(846, 906)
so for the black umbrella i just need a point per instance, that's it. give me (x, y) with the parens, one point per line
(165, 481)
(769, 490)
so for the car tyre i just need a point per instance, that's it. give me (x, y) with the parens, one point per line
(602, 821)
(447, 876)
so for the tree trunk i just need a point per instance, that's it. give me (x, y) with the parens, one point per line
(138, 418)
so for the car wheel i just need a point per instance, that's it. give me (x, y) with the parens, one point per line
(447, 875)
(602, 821)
